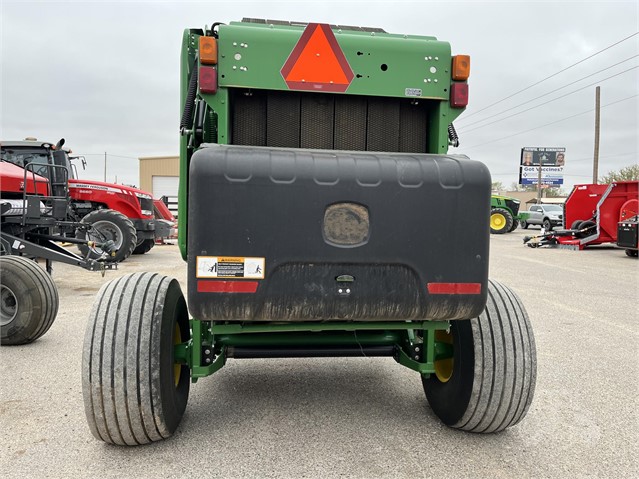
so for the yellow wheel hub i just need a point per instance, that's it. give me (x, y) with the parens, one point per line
(497, 221)
(444, 367)
(177, 367)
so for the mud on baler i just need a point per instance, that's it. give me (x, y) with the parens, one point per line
(321, 219)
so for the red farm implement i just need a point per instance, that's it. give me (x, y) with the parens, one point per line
(592, 214)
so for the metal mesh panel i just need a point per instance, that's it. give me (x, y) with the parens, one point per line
(317, 121)
(350, 123)
(283, 119)
(383, 125)
(329, 121)
(412, 127)
(249, 119)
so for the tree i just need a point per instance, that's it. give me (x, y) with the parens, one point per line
(555, 192)
(514, 186)
(497, 186)
(627, 173)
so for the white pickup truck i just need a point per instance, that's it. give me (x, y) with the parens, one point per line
(547, 216)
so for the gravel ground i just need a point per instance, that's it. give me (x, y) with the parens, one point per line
(354, 417)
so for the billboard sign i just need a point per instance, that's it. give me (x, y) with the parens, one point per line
(552, 161)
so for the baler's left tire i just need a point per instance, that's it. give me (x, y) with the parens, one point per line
(28, 300)
(134, 391)
(490, 382)
(501, 221)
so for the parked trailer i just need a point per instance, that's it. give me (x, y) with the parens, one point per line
(320, 216)
(593, 212)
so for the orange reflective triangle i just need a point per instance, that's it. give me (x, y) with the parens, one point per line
(317, 62)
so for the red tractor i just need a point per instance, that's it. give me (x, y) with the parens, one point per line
(119, 213)
(33, 221)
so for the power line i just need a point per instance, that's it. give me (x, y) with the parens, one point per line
(108, 154)
(548, 124)
(602, 158)
(552, 91)
(549, 101)
(550, 76)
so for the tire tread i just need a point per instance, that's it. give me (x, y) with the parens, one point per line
(48, 297)
(505, 364)
(120, 373)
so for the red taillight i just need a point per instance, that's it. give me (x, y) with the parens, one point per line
(459, 95)
(208, 79)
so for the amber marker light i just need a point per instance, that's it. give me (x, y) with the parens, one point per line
(461, 67)
(208, 51)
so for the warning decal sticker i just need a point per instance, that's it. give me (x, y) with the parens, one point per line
(229, 267)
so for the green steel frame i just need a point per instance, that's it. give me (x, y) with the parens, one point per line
(252, 56)
(414, 342)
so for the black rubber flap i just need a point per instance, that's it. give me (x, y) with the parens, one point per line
(280, 234)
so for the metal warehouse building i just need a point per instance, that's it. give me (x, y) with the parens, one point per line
(160, 176)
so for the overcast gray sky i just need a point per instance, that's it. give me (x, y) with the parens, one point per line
(105, 75)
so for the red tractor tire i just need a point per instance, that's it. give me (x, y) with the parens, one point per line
(108, 225)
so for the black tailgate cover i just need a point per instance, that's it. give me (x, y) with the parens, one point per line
(306, 235)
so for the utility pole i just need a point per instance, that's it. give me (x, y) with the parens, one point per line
(539, 184)
(595, 161)
(105, 166)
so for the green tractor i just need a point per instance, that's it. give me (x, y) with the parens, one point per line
(504, 214)
(310, 158)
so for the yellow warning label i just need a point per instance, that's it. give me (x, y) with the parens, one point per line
(229, 267)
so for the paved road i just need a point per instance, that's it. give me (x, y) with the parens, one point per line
(354, 417)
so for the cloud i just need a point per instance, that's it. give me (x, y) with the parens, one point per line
(105, 75)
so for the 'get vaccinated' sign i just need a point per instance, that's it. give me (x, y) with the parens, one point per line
(552, 161)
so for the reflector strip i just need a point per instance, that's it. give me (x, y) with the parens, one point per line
(454, 288)
(227, 286)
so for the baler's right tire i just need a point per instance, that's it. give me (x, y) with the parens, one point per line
(134, 391)
(28, 300)
(109, 225)
(524, 224)
(501, 221)
(633, 253)
(144, 246)
(491, 382)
